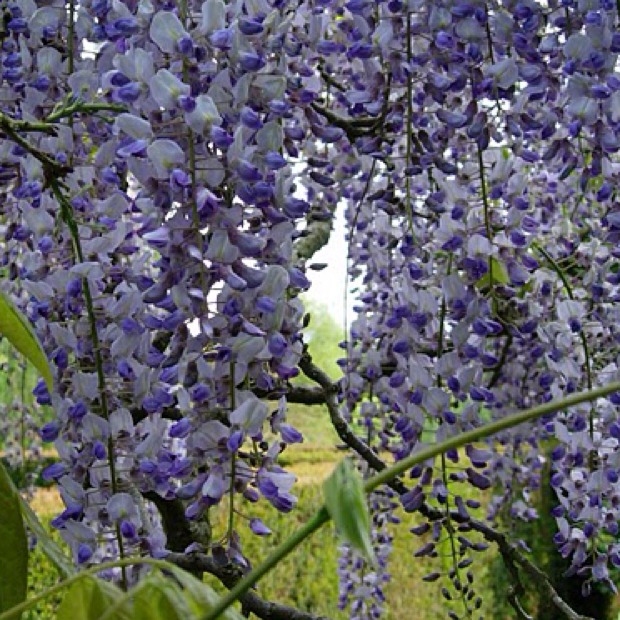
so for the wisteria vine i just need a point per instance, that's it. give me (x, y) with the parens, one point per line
(170, 169)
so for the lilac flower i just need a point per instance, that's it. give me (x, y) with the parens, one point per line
(251, 62)
(290, 434)
(50, 431)
(259, 528)
(195, 237)
(84, 553)
(221, 39)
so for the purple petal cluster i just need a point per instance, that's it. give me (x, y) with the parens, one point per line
(158, 224)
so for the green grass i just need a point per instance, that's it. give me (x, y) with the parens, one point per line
(307, 579)
(41, 576)
(17, 377)
(314, 424)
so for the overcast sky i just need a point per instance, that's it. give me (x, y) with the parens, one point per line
(328, 285)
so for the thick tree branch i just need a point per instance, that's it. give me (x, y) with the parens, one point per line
(13, 130)
(512, 555)
(315, 236)
(341, 426)
(179, 535)
(169, 413)
(297, 394)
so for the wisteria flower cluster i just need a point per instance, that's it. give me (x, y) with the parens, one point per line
(170, 169)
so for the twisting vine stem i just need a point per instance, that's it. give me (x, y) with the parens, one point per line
(66, 211)
(444, 465)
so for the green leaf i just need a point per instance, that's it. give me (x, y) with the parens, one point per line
(90, 599)
(346, 503)
(16, 328)
(200, 596)
(46, 543)
(497, 273)
(13, 546)
(159, 598)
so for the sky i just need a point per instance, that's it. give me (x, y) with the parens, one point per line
(328, 285)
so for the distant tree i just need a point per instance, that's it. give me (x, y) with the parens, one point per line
(324, 335)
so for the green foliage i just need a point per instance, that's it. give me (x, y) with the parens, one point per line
(42, 575)
(13, 546)
(17, 377)
(174, 596)
(323, 335)
(158, 598)
(46, 542)
(497, 274)
(313, 422)
(16, 328)
(90, 599)
(308, 579)
(345, 501)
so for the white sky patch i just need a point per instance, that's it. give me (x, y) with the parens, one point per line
(328, 285)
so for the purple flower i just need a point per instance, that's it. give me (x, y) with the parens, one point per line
(250, 118)
(50, 431)
(185, 45)
(235, 441)
(250, 27)
(180, 429)
(41, 393)
(200, 393)
(274, 160)
(84, 553)
(250, 61)
(222, 39)
(266, 304)
(54, 471)
(220, 137)
(248, 172)
(99, 450)
(129, 93)
(128, 530)
(290, 434)
(259, 528)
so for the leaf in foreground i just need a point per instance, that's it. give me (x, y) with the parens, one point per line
(14, 326)
(46, 543)
(91, 599)
(346, 503)
(13, 546)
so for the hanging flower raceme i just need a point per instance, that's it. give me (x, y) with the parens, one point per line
(169, 170)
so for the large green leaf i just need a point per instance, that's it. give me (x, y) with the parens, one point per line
(345, 501)
(159, 598)
(90, 599)
(200, 596)
(13, 546)
(15, 327)
(46, 543)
